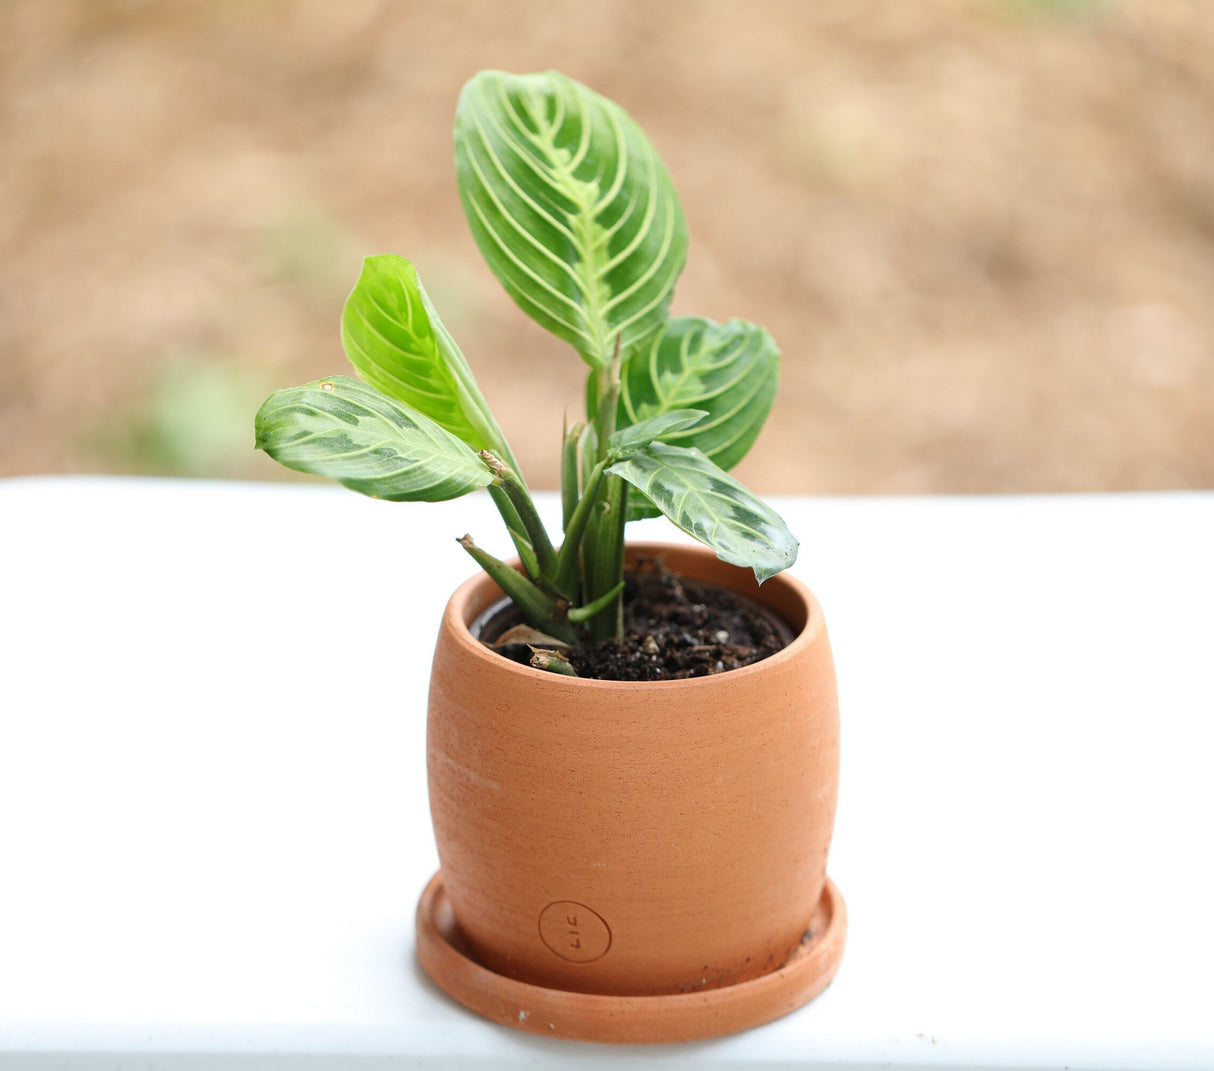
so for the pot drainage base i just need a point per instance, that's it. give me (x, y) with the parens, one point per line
(637, 1020)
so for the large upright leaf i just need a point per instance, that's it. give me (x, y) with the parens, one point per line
(396, 341)
(709, 504)
(728, 370)
(571, 207)
(344, 429)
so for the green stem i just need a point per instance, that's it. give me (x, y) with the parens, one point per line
(514, 525)
(603, 545)
(506, 478)
(603, 558)
(571, 549)
(608, 383)
(542, 610)
(569, 473)
(585, 613)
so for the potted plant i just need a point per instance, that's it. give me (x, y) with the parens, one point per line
(621, 860)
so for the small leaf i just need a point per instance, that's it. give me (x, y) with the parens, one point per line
(729, 370)
(397, 343)
(644, 432)
(709, 504)
(344, 429)
(571, 207)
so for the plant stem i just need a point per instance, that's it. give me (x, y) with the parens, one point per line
(542, 610)
(506, 478)
(514, 525)
(569, 473)
(608, 384)
(603, 558)
(603, 546)
(575, 530)
(585, 613)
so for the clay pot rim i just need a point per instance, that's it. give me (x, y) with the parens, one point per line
(457, 617)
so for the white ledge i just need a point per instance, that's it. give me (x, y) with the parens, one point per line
(213, 820)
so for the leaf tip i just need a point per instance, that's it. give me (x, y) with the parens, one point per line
(764, 572)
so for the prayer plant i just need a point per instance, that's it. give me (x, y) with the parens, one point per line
(578, 219)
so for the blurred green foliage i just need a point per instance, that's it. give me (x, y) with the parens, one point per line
(192, 419)
(1059, 9)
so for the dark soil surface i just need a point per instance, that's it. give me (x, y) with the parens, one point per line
(673, 628)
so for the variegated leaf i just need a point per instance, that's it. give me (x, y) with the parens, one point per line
(397, 343)
(571, 207)
(662, 426)
(729, 370)
(349, 431)
(709, 504)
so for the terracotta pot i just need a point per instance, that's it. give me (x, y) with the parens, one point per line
(605, 843)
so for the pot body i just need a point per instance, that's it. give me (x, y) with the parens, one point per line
(634, 838)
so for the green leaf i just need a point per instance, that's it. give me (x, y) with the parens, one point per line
(662, 426)
(397, 343)
(344, 429)
(709, 504)
(729, 370)
(571, 207)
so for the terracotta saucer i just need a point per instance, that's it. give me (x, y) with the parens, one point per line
(636, 1020)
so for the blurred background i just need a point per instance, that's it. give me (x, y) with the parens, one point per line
(982, 231)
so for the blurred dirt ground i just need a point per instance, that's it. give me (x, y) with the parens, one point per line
(982, 232)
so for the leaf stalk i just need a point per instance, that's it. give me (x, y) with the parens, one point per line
(546, 612)
(509, 481)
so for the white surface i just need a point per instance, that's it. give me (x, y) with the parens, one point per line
(213, 821)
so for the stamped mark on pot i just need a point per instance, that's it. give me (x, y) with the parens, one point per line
(574, 932)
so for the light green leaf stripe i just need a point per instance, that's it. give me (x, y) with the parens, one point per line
(728, 370)
(571, 208)
(710, 505)
(349, 431)
(395, 340)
